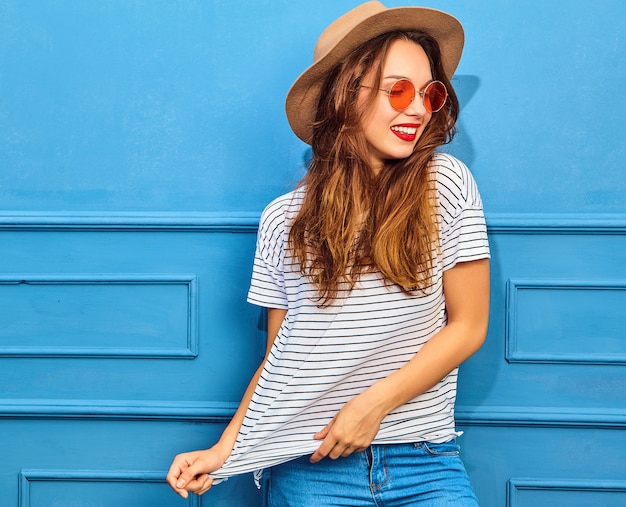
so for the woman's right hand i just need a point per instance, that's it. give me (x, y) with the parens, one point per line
(189, 472)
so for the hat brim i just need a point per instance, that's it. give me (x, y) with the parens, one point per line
(302, 98)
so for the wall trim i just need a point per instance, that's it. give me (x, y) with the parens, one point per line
(513, 355)
(212, 412)
(88, 221)
(188, 350)
(28, 477)
(558, 417)
(247, 221)
(221, 412)
(515, 485)
(553, 223)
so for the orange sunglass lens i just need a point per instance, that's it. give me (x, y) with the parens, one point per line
(435, 96)
(401, 94)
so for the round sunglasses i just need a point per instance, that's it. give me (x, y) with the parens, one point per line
(402, 93)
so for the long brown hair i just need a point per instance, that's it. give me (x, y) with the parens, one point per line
(353, 220)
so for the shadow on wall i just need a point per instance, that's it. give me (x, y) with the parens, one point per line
(465, 87)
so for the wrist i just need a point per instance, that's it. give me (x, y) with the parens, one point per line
(222, 450)
(382, 399)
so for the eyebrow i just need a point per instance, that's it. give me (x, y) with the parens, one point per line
(394, 76)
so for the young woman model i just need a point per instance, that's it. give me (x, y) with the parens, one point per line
(375, 276)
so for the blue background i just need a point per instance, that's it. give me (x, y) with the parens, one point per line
(139, 142)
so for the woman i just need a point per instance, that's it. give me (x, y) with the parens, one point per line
(375, 275)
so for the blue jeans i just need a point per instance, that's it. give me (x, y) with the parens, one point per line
(425, 474)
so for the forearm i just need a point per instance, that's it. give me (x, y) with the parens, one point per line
(190, 471)
(436, 359)
(229, 435)
(354, 427)
(227, 441)
(466, 288)
(356, 424)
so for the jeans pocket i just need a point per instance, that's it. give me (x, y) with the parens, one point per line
(450, 448)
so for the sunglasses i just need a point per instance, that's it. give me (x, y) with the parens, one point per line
(402, 93)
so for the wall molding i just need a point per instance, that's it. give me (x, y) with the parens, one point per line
(515, 486)
(512, 352)
(189, 349)
(247, 221)
(551, 417)
(27, 478)
(553, 223)
(220, 412)
(210, 412)
(90, 221)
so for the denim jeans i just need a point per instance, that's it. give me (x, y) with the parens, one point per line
(424, 474)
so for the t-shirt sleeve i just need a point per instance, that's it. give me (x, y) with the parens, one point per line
(267, 286)
(463, 231)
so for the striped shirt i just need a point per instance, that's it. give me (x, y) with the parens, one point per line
(323, 357)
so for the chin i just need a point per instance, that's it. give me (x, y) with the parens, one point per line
(401, 155)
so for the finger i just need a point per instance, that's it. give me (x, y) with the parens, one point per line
(197, 484)
(338, 451)
(322, 451)
(189, 475)
(206, 487)
(173, 476)
(323, 433)
(180, 491)
(347, 451)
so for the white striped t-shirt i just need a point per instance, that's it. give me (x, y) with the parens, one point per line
(323, 357)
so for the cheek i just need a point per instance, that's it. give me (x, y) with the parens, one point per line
(378, 118)
(426, 121)
(427, 118)
(376, 108)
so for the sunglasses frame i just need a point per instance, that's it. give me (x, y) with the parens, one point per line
(421, 93)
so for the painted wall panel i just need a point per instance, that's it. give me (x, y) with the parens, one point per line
(561, 321)
(115, 459)
(216, 259)
(552, 254)
(496, 454)
(106, 489)
(139, 142)
(99, 315)
(526, 492)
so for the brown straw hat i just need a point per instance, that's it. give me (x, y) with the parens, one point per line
(357, 26)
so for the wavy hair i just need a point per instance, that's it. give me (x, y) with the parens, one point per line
(352, 219)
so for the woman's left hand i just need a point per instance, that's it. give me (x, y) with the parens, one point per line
(351, 430)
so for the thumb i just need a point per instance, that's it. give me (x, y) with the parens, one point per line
(188, 474)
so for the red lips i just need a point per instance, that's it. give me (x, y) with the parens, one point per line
(406, 131)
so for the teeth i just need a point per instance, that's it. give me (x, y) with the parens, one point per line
(405, 130)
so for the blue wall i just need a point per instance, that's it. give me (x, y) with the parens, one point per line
(178, 105)
(139, 141)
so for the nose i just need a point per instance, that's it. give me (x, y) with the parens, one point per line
(417, 107)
